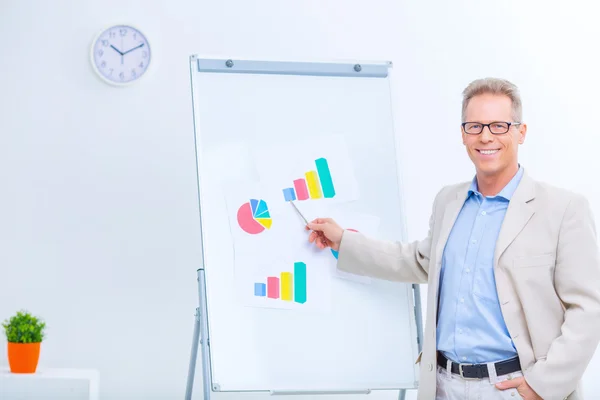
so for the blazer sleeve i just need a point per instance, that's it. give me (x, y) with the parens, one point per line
(577, 283)
(389, 260)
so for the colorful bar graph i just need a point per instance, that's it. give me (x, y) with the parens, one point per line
(288, 286)
(301, 190)
(300, 282)
(287, 289)
(289, 194)
(260, 289)
(273, 287)
(316, 184)
(313, 185)
(325, 178)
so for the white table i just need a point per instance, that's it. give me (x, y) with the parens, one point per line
(50, 384)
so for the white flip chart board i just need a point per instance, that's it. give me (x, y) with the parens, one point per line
(255, 121)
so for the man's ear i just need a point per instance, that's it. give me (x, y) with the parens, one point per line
(522, 133)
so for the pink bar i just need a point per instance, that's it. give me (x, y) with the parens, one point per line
(301, 190)
(273, 287)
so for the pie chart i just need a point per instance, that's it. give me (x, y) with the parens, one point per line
(335, 253)
(253, 217)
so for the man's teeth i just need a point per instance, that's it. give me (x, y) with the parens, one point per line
(488, 151)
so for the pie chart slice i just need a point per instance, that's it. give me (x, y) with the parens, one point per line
(254, 204)
(247, 221)
(266, 222)
(261, 208)
(263, 215)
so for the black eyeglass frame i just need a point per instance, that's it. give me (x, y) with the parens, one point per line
(510, 124)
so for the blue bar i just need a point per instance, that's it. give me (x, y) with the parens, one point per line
(289, 194)
(260, 289)
(372, 70)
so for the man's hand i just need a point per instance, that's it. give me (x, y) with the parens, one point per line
(325, 233)
(525, 391)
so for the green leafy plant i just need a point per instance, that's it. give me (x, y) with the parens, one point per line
(24, 328)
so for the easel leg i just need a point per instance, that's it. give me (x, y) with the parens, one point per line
(200, 337)
(419, 323)
(192, 369)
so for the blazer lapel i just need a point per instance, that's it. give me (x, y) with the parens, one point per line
(450, 214)
(518, 213)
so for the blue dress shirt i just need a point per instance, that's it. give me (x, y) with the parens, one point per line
(470, 326)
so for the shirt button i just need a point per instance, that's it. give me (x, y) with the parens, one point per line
(467, 270)
(483, 213)
(430, 366)
(460, 331)
(462, 299)
(473, 241)
(464, 358)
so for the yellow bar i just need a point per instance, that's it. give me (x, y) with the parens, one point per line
(287, 291)
(314, 189)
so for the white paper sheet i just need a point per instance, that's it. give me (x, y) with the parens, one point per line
(261, 223)
(285, 166)
(266, 272)
(253, 210)
(265, 250)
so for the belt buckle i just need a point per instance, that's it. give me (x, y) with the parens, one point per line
(460, 371)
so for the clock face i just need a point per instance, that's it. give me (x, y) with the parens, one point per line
(121, 54)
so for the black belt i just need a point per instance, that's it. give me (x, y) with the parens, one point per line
(478, 371)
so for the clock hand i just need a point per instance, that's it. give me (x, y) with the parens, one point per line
(117, 50)
(137, 47)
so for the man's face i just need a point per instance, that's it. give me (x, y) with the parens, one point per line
(492, 154)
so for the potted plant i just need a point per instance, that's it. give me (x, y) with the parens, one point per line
(24, 333)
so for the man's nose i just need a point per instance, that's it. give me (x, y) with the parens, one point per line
(486, 135)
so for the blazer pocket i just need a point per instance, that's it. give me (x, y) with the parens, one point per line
(542, 260)
(533, 282)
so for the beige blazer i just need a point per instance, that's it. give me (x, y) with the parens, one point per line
(547, 270)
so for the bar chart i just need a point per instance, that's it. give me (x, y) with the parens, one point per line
(316, 184)
(288, 286)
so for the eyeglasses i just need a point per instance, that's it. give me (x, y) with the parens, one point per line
(496, 127)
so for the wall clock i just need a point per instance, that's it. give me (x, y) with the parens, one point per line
(120, 55)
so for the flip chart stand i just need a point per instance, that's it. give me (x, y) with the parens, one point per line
(201, 336)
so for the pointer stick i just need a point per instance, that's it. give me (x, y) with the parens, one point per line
(299, 213)
(321, 234)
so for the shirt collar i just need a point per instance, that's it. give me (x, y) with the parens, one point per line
(506, 192)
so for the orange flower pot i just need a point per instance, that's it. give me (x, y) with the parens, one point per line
(23, 357)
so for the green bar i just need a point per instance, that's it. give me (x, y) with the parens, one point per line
(325, 178)
(300, 282)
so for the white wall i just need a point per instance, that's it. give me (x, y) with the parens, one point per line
(99, 229)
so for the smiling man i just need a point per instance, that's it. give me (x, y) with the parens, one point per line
(512, 265)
